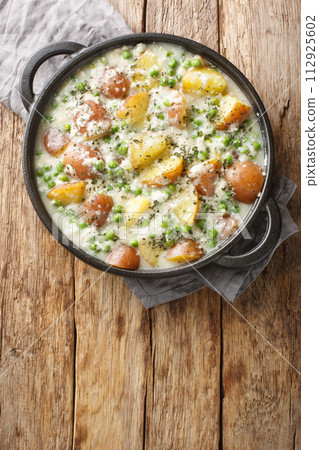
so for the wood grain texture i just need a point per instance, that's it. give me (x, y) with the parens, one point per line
(261, 404)
(36, 388)
(190, 374)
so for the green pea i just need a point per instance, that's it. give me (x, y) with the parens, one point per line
(171, 188)
(227, 140)
(105, 247)
(64, 98)
(227, 160)
(236, 143)
(168, 231)
(186, 229)
(212, 244)
(124, 124)
(59, 167)
(96, 93)
(99, 165)
(82, 225)
(127, 54)
(212, 233)
(119, 172)
(203, 155)
(118, 208)
(172, 63)
(122, 149)
(243, 149)
(212, 112)
(256, 145)
(55, 173)
(93, 246)
(166, 103)
(127, 188)
(151, 235)
(222, 206)
(163, 81)
(216, 101)
(138, 191)
(55, 105)
(72, 220)
(198, 122)
(118, 218)
(154, 73)
(171, 72)
(115, 129)
(39, 173)
(81, 86)
(47, 177)
(103, 60)
(60, 209)
(235, 208)
(49, 118)
(67, 127)
(47, 168)
(109, 187)
(145, 223)
(92, 66)
(161, 116)
(187, 63)
(38, 154)
(200, 223)
(196, 63)
(164, 224)
(106, 139)
(134, 243)
(63, 177)
(51, 184)
(169, 53)
(69, 212)
(170, 242)
(56, 202)
(119, 184)
(113, 164)
(179, 77)
(171, 82)
(109, 235)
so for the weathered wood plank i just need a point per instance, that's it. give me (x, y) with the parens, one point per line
(36, 287)
(261, 404)
(112, 346)
(183, 394)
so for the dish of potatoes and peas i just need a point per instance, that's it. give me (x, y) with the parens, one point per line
(149, 157)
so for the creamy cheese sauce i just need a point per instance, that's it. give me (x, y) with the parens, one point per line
(196, 141)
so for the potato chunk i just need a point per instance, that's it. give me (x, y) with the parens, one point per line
(232, 110)
(114, 83)
(204, 176)
(96, 209)
(134, 210)
(124, 257)
(79, 161)
(176, 112)
(203, 81)
(163, 173)
(247, 179)
(150, 251)
(143, 66)
(146, 147)
(55, 141)
(133, 108)
(185, 251)
(68, 193)
(92, 120)
(187, 206)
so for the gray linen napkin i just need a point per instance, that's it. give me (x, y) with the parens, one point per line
(26, 26)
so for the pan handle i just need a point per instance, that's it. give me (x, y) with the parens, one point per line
(35, 61)
(265, 246)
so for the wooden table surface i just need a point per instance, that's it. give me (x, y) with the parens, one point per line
(192, 374)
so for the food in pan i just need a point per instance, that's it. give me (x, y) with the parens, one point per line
(149, 156)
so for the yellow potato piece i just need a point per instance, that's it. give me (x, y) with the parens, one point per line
(231, 110)
(143, 66)
(184, 251)
(163, 173)
(203, 81)
(135, 208)
(68, 193)
(149, 251)
(146, 147)
(147, 60)
(133, 108)
(187, 206)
